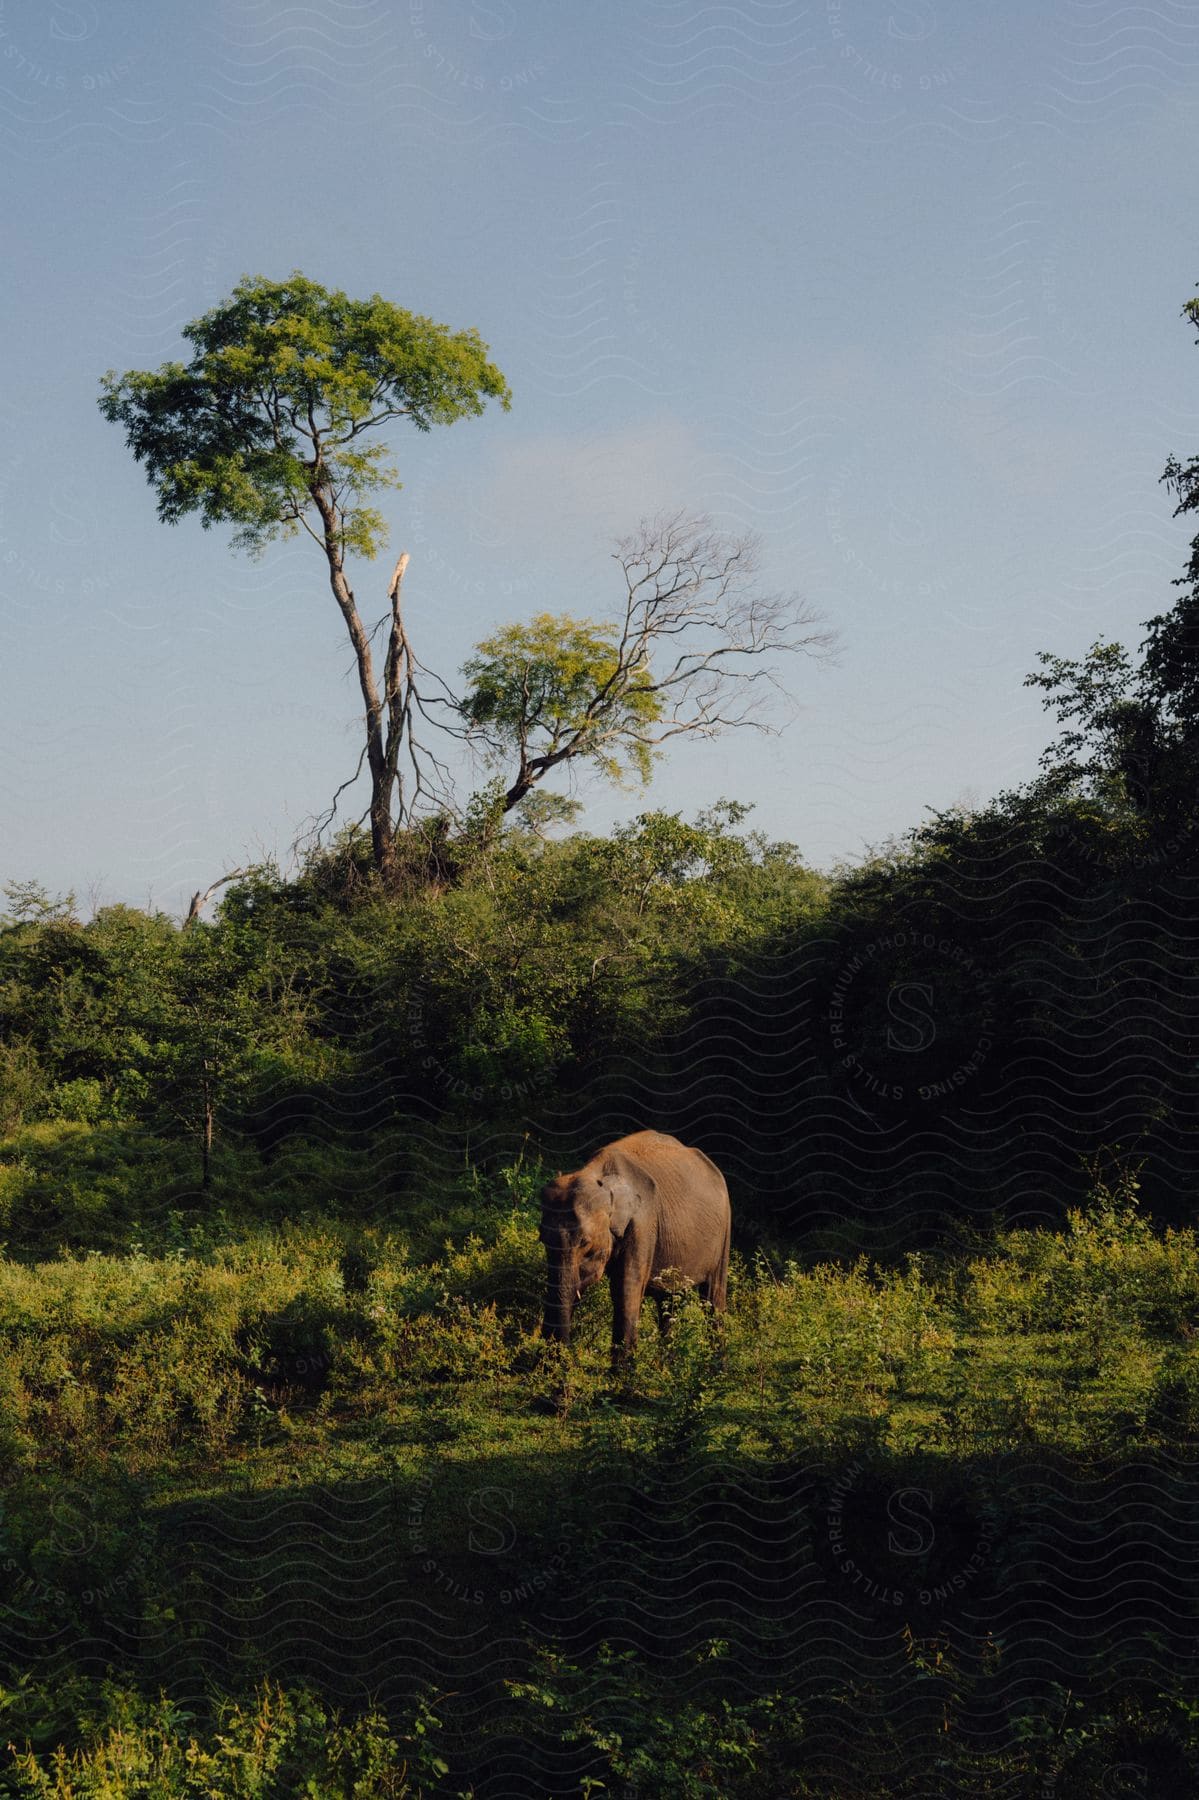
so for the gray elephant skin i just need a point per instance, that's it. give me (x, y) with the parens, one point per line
(643, 1206)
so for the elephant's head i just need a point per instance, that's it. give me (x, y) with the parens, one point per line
(583, 1218)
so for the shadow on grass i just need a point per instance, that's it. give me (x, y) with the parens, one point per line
(882, 1591)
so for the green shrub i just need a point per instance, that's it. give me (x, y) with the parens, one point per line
(76, 1184)
(628, 1724)
(22, 1083)
(1171, 1411)
(1108, 1268)
(455, 1342)
(81, 1101)
(507, 1268)
(278, 1745)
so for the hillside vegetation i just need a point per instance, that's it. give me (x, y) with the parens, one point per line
(294, 1491)
(295, 1499)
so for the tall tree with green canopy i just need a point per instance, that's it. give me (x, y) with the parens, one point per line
(269, 428)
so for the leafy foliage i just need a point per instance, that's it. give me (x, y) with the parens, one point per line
(556, 687)
(285, 381)
(273, 1746)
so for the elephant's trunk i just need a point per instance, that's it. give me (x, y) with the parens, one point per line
(560, 1296)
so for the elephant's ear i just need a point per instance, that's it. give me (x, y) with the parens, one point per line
(632, 1187)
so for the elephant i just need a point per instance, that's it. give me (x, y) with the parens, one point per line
(641, 1206)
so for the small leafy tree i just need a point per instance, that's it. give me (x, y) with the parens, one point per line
(84, 1000)
(228, 1009)
(269, 428)
(1131, 737)
(1110, 732)
(22, 1083)
(30, 904)
(553, 691)
(1183, 478)
(690, 654)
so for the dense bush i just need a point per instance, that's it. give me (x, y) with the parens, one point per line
(610, 1724)
(274, 1746)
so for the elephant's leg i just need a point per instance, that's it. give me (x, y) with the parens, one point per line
(628, 1281)
(715, 1291)
(626, 1311)
(716, 1286)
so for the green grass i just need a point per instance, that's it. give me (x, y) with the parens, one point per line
(1082, 1340)
(206, 1450)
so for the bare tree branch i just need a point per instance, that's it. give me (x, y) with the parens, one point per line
(320, 825)
(696, 644)
(200, 900)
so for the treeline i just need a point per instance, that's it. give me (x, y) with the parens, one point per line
(959, 1029)
(323, 1042)
(967, 1027)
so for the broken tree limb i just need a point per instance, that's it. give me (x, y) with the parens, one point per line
(200, 900)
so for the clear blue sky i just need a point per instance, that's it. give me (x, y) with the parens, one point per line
(896, 284)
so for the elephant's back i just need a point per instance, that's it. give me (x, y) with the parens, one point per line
(687, 1171)
(650, 1144)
